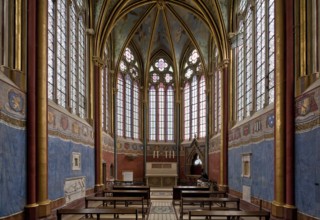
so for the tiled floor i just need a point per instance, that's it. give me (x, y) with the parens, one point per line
(162, 210)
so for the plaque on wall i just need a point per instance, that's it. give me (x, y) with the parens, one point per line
(74, 188)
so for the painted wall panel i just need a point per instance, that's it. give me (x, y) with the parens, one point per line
(307, 162)
(60, 165)
(261, 180)
(12, 170)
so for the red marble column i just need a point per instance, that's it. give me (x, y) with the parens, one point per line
(31, 209)
(97, 127)
(290, 210)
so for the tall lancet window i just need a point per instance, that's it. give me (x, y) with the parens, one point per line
(194, 104)
(161, 100)
(255, 60)
(128, 97)
(67, 57)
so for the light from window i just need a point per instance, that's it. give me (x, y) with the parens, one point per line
(261, 55)
(202, 108)
(170, 113)
(120, 106)
(161, 112)
(152, 113)
(187, 111)
(128, 106)
(135, 111)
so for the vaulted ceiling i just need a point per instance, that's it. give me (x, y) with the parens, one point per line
(167, 25)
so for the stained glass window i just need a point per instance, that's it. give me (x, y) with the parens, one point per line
(202, 107)
(187, 111)
(194, 98)
(128, 108)
(255, 63)
(129, 92)
(152, 113)
(170, 113)
(120, 109)
(135, 110)
(161, 100)
(67, 55)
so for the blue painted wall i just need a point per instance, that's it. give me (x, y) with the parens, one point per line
(262, 169)
(60, 165)
(307, 151)
(12, 170)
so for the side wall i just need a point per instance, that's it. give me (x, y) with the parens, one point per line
(12, 148)
(307, 152)
(69, 137)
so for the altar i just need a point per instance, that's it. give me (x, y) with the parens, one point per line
(161, 174)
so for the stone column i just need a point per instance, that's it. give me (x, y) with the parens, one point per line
(224, 126)
(290, 211)
(144, 124)
(279, 132)
(206, 152)
(31, 208)
(115, 91)
(98, 124)
(42, 108)
(178, 135)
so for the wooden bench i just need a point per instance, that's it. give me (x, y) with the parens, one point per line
(222, 202)
(176, 191)
(133, 188)
(229, 214)
(115, 200)
(203, 194)
(98, 212)
(129, 193)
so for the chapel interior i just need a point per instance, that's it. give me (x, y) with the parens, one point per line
(158, 92)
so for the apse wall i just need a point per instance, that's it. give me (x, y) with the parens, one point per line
(12, 148)
(130, 158)
(307, 152)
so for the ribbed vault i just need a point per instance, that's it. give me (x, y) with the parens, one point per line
(167, 25)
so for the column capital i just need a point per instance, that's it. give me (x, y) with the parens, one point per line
(98, 61)
(225, 63)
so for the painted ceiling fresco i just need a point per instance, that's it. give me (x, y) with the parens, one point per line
(161, 25)
(124, 27)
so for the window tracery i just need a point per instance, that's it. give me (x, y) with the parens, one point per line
(128, 96)
(67, 77)
(194, 97)
(255, 62)
(161, 101)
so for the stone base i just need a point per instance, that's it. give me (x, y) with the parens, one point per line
(290, 212)
(98, 188)
(223, 188)
(31, 211)
(44, 209)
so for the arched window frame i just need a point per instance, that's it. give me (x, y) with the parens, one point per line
(254, 75)
(195, 105)
(67, 57)
(128, 97)
(7, 25)
(216, 95)
(161, 99)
